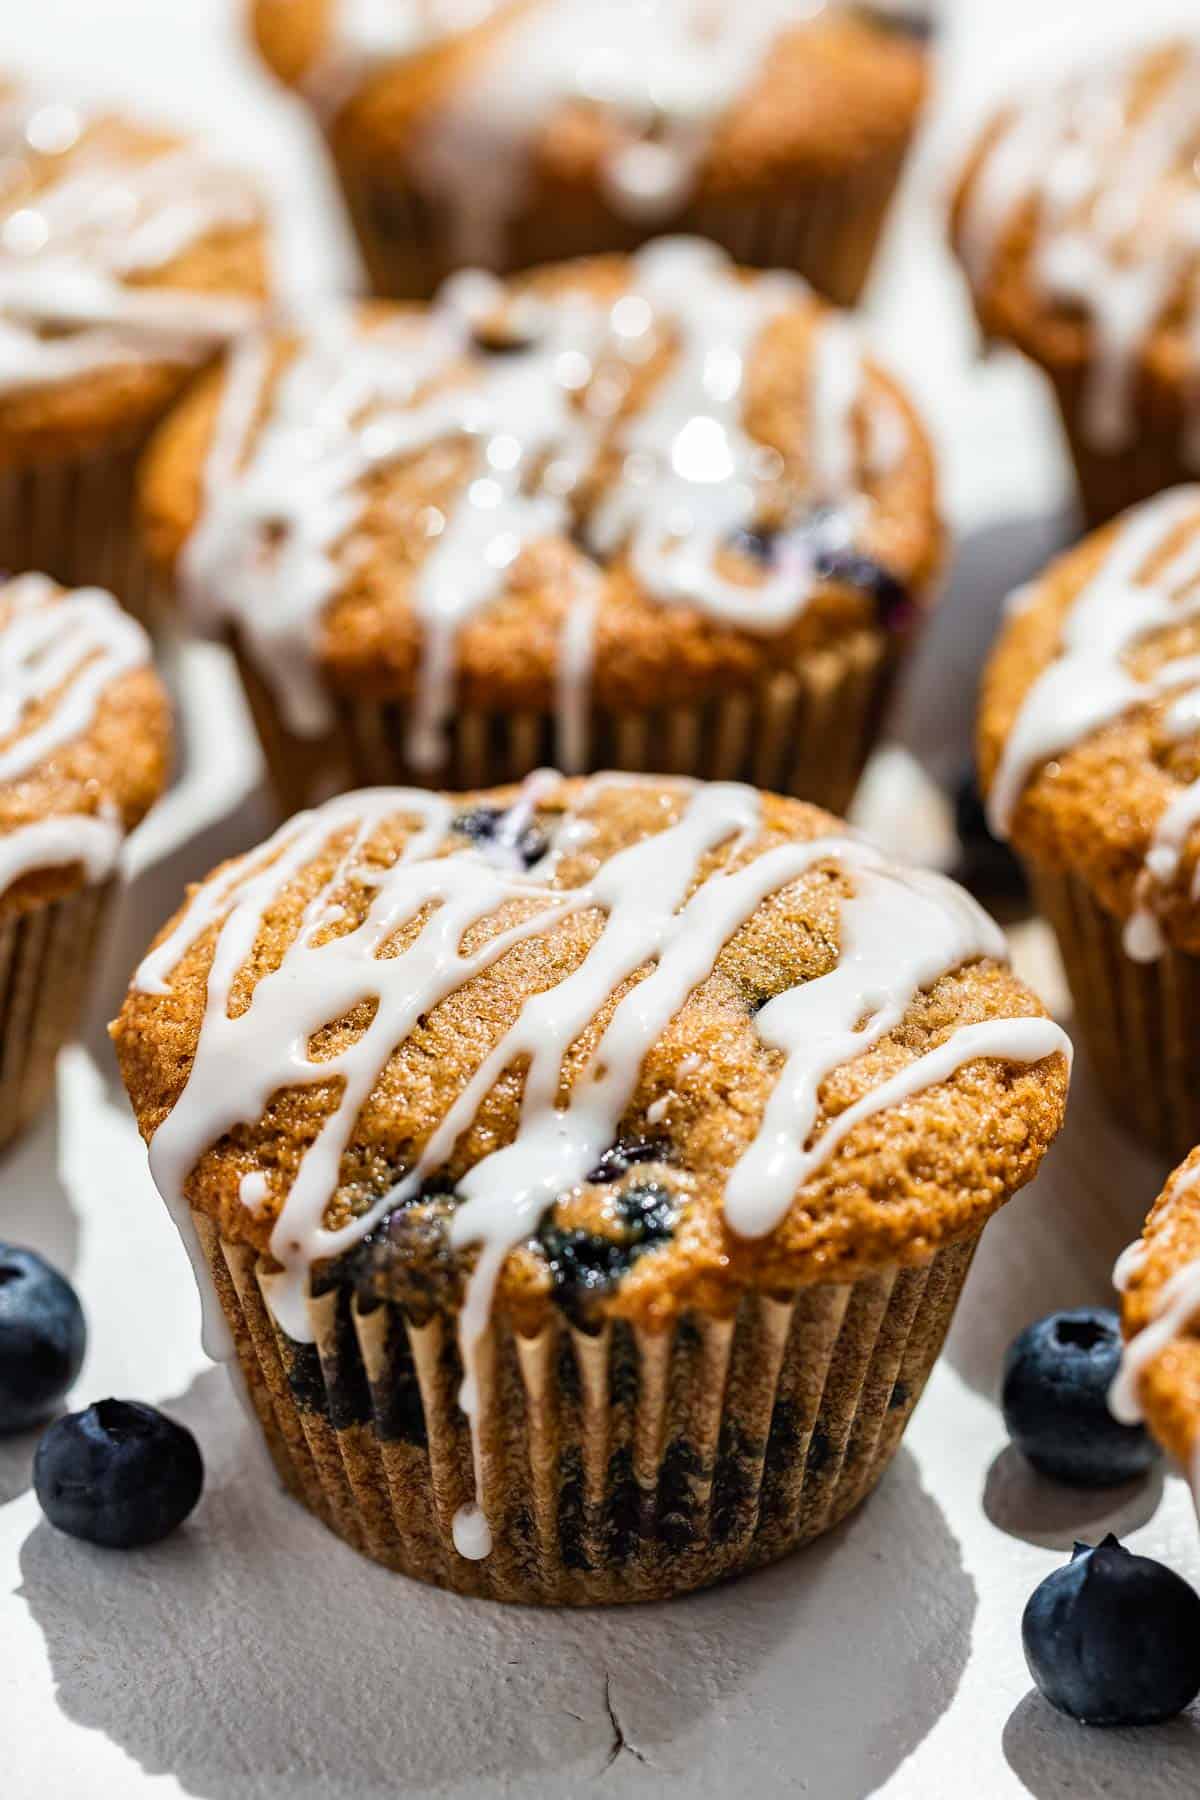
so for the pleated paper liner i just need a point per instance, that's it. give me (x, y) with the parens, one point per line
(73, 519)
(618, 1465)
(806, 732)
(1138, 1022)
(46, 962)
(826, 229)
(1109, 482)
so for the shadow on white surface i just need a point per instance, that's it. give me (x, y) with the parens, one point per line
(1054, 1757)
(1027, 1505)
(1055, 1245)
(253, 1652)
(934, 716)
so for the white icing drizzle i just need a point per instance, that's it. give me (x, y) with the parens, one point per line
(1088, 685)
(79, 643)
(1175, 1311)
(282, 499)
(898, 933)
(1110, 236)
(67, 251)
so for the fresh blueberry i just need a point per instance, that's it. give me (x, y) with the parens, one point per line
(482, 825)
(820, 542)
(984, 862)
(893, 603)
(42, 1338)
(585, 1262)
(120, 1474)
(1113, 1638)
(1057, 1374)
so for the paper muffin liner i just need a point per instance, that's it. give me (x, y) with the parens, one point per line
(826, 229)
(806, 732)
(74, 519)
(46, 961)
(1109, 482)
(618, 1465)
(1138, 1022)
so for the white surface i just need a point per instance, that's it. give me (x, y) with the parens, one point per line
(253, 1656)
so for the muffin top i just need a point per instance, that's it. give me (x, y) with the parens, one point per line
(84, 738)
(648, 480)
(1089, 733)
(1078, 223)
(126, 256)
(643, 1043)
(487, 104)
(1160, 1280)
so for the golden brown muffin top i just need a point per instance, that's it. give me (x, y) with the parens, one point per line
(1073, 222)
(1089, 727)
(1162, 1299)
(84, 737)
(663, 472)
(793, 99)
(127, 255)
(653, 1042)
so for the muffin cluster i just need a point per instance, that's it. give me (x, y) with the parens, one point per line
(582, 1168)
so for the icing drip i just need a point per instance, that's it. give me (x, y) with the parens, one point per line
(1112, 238)
(1175, 1311)
(68, 249)
(657, 918)
(660, 73)
(1088, 685)
(281, 499)
(71, 647)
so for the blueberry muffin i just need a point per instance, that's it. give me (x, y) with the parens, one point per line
(654, 513)
(1074, 222)
(506, 133)
(1159, 1277)
(127, 258)
(84, 738)
(1089, 753)
(603, 1164)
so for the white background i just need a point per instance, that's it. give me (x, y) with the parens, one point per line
(253, 1655)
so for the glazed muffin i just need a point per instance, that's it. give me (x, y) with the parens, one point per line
(1089, 751)
(506, 133)
(1159, 1278)
(603, 1165)
(1075, 224)
(127, 258)
(84, 738)
(654, 513)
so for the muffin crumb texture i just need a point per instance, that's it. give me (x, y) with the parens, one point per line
(84, 738)
(1160, 1280)
(1089, 736)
